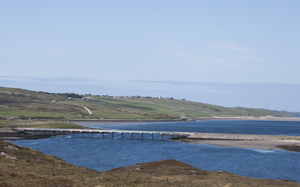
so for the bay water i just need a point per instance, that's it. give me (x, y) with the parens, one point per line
(106, 154)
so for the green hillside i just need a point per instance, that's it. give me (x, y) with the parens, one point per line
(24, 104)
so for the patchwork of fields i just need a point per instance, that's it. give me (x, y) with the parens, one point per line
(25, 104)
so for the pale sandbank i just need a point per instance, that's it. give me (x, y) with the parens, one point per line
(261, 144)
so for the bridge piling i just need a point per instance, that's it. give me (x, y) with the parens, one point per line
(141, 136)
(131, 136)
(151, 136)
(121, 135)
(111, 135)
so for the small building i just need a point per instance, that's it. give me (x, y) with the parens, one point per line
(89, 98)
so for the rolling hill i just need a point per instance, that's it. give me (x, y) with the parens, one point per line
(18, 103)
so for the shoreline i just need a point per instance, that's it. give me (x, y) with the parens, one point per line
(190, 119)
(9, 134)
(214, 118)
(268, 142)
(127, 120)
(287, 145)
(250, 118)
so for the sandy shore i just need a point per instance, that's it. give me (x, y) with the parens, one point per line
(252, 118)
(128, 120)
(289, 145)
(187, 119)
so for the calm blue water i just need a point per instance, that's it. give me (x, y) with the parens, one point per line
(106, 154)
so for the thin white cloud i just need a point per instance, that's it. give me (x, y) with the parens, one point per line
(230, 46)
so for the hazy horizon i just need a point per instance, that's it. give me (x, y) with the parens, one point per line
(228, 53)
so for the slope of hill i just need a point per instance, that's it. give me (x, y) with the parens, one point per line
(25, 104)
(21, 166)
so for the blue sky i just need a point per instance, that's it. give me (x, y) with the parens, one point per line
(229, 53)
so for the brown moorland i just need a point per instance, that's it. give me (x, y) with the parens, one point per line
(21, 166)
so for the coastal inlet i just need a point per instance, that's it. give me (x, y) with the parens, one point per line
(106, 154)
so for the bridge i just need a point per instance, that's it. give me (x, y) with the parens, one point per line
(101, 133)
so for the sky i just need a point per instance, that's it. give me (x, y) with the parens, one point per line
(229, 53)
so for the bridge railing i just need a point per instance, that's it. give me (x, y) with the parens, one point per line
(106, 131)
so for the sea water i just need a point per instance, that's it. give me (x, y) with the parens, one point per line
(106, 154)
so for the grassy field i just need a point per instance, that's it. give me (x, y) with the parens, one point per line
(21, 166)
(297, 139)
(39, 124)
(24, 104)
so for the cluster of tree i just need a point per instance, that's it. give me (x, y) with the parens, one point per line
(44, 92)
(73, 95)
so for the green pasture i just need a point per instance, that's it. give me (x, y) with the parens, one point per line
(25, 104)
(39, 124)
(17, 113)
(297, 139)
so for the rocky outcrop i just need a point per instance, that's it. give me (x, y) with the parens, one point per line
(7, 156)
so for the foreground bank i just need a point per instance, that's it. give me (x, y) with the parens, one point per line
(21, 166)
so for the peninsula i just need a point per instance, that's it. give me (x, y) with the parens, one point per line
(26, 105)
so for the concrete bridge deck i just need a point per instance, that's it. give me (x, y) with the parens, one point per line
(54, 132)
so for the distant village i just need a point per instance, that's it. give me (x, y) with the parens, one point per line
(90, 97)
(93, 97)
